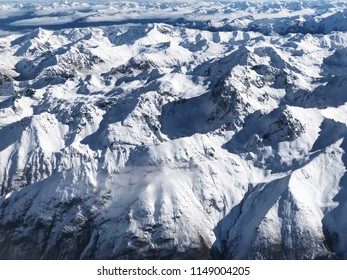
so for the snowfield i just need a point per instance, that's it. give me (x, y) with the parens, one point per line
(200, 130)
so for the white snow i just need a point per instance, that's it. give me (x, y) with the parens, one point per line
(218, 125)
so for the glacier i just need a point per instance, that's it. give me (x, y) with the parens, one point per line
(201, 130)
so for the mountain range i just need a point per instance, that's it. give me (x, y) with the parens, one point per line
(200, 130)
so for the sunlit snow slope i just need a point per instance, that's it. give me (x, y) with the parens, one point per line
(221, 137)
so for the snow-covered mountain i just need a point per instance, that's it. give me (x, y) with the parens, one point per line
(217, 130)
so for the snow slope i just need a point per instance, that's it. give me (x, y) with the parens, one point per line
(219, 137)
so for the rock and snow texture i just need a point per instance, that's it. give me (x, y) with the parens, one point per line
(215, 133)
